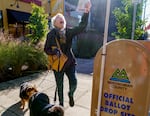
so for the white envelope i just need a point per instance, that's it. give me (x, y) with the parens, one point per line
(81, 5)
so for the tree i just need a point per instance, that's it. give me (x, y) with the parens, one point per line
(38, 24)
(124, 16)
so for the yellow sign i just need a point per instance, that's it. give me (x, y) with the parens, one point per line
(57, 6)
(126, 83)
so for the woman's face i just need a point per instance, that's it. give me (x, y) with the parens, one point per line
(59, 22)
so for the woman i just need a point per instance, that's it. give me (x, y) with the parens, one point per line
(64, 37)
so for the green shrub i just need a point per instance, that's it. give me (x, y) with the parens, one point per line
(124, 17)
(15, 56)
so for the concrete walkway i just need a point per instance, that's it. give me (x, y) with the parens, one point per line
(9, 91)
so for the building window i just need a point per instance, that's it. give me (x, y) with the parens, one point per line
(1, 19)
(17, 22)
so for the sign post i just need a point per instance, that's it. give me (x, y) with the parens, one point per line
(135, 2)
(103, 56)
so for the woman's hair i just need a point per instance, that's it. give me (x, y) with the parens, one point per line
(55, 17)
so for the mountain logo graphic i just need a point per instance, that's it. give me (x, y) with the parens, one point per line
(120, 76)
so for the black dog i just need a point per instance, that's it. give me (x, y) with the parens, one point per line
(39, 106)
(39, 103)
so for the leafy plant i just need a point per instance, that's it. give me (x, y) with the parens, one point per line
(124, 17)
(38, 24)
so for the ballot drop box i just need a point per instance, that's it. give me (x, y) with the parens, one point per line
(126, 79)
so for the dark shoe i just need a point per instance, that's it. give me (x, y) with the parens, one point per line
(71, 101)
(61, 104)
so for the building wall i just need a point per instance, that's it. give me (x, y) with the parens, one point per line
(24, 6)
(6, 4)
(46, 6)
(98, 13)
(50, 8)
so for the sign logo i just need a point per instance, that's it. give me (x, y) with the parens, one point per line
(120, 76)
(119, 80)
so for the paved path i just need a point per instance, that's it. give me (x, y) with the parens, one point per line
(9, 91)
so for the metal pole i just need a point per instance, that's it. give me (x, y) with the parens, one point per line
(103, 57)
(63, 7)
(144, 12)
(49, 8)
(134, 21)
(49, 14)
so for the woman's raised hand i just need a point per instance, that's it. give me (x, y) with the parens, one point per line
(88, 6)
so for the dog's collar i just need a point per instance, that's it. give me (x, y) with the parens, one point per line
(47, 107)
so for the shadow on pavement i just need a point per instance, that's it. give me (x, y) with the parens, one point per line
(15, 107)
(12, 84)
(85, 66)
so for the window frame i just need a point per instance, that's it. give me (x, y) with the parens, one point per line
(1, 19)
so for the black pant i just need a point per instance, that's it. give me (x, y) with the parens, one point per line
(59, 77)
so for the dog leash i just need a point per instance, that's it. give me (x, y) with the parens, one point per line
(55, 96)
(56, 89)
(43, 78)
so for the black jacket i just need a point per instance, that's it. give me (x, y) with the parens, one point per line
(70, 33)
